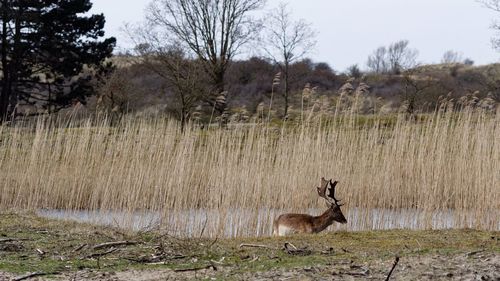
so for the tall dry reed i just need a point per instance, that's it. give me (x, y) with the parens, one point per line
(234, 181)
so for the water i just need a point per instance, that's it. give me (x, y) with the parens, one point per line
(252, 223)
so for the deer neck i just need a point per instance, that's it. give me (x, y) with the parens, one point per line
(323, 221)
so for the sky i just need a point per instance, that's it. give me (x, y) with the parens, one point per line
(350, 30)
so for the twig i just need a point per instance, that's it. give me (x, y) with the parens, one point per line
(35, 274)
(295, 251)
(345, 250)
(113, 244)
(356, 274)
(219, 261)
(156, 259)
(77, 249)
(291, 245)
(213, 242)
(419, 245)
(4, 240)
(470, 254)
(392, 269)
(204, 226)
(211, 265)
(97, 255)
(256, 246)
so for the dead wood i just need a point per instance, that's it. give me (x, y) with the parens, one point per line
(153, 259)
(470, 254)
(5, 240)
(40, 252)
(219, 261)
(114, 244)
(392, 269)
(292, 250)
(34, 274)
(210, 266)
(345, 250)
(257, 246)
(98, 255)
(77, 249)
(356, 274)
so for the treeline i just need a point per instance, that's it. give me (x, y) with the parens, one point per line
(256, 89)
(54, 55)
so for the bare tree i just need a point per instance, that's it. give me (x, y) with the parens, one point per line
(212, 30)
(286, 41)
(451, 57)
(393, 59)
(377, 61)
(401, 57)
(116, 94)
(184, 77)
(495, 6)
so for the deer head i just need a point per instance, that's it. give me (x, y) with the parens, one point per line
(337, 214)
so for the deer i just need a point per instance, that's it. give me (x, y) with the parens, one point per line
(287, 224)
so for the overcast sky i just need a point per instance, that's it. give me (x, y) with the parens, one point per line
(349, 30)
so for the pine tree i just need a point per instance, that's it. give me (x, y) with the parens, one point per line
(44, 45)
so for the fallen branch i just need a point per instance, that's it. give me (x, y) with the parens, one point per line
(35, 274)
(219, 261)
(156, 259)
(291, 245)
(256, 246)
(357, 274)
(210, 266)
(113, 244)
(345, 250)
(470, 254)
(98, 255)
(292, 250)
(5, 240)
(77, 249)
(392, 269)
(213, 242)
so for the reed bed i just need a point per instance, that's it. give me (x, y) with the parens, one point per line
(234, 181)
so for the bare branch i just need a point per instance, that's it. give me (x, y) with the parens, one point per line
(212, 30)
(491, 4)
(286, 41)
(495, 6)
(396, 58)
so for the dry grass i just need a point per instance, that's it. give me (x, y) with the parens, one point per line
(246, 175)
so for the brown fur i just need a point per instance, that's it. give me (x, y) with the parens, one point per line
(303, 223)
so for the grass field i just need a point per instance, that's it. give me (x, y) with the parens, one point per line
(70, 251)
(439, 162)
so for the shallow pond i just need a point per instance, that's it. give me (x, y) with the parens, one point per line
(251, 223)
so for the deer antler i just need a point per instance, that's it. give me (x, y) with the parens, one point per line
(331, 193)
(322, 188)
